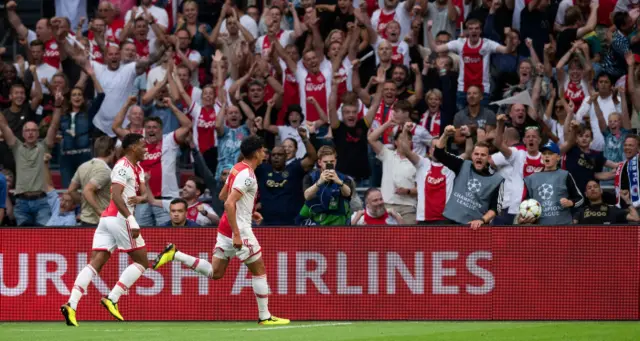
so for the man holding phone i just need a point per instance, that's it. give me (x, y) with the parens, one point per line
(327, 193)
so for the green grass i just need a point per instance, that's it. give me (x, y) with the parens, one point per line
(334, 331)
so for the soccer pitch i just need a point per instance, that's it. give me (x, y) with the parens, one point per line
(334, 331)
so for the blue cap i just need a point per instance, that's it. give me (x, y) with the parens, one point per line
(551, 146)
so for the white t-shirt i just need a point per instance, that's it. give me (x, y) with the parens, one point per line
(401, 16)
(285, 132)
(556, 128)
(607, 106)
(396, 172)
(470, 67)
(129, 176)
(399, 50)
(513, 170)
(422, 171)
(44, 70)
(160, 14)
(562, 11)
(245, 182)
(72, 9)
(421, 139)
(118, 86)
(246, 21)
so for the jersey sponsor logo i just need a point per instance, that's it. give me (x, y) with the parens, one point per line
(276, 184)
(434, 180)
(152, 156)
(51, 53)
(533, 169)
(205, 124)
(313, 87)
(471, 60)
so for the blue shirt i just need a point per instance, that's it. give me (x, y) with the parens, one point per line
(187, 223)
(169, 120)
(58, 218)
(613, 146)
(3, 191)
(229, 146)
(281, 194)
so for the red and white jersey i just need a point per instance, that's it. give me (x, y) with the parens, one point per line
(131, 177)
(381, 17)
(112, 32)
(143, 48)
(159, 15)
(431, 122)
(204, 125)
(420, 139)
(317, 86)
(291, 92)
(435, 185)
(192, 212)
(51, 54)
(400, 52)
(345, 72)
(514, 169)
(474, 62)
(193, 56)
(263, 45)
(366, 219)
(241, 179)
(96, 51)
(160, 162)
(575, 92)
(195, 93)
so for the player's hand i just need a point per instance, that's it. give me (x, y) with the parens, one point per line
(566, 203)
(237, 242)
(133, 224)
(475, 224)
(257, 217)
(526, 221)
(138, 199)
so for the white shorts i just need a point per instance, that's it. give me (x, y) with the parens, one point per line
(249, 253)
(115, 231)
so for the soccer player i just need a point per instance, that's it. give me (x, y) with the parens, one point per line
(235, 237)
(117, 227)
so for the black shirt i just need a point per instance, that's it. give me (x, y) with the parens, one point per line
(601, 214)
(583, 166)
(565, 39)
(352, 147)
(16, 120)
(334, 20)
(261, 111)
(535, 25)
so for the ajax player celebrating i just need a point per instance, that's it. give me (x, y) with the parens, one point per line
(117, 227)
(235, 237)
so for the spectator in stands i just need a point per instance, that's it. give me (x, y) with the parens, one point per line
(280, 181)
(198, 212)
(628, 173)
(114, 24)
(375, 212)
(398, 174)
(326, 193)
(160, 164)
(553, 188)
(75, 128)
(135, 116)
(21, 110)
(3, 197)
(91, 184)
(231, 131)
(475, 115)
(597, 212)
(62, 207)
(158, 15)
(178, 212)
(42, 70)
(199, 31)
(614, 60)
(43, 33)
(31, 204)
(476, 192)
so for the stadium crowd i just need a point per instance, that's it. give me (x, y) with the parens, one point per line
(449, 112)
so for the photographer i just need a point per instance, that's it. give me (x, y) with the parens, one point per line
(327, 193)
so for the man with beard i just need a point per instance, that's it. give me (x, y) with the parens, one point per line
(597, 212)
(200, 213)
(157, 15)
(475, 55)
(113, 24)
(519, 119)
(476, 192)
(553, 188)
(374, 212)
(627, 173)
(280, 184)
(475, 115)
(523, 162)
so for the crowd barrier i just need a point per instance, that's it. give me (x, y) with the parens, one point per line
(336, 273)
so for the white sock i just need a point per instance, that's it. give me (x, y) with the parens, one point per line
(129, 276)
(201, 266)
(261, 290)
(80, 285)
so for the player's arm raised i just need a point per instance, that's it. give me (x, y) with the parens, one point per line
(230, 208)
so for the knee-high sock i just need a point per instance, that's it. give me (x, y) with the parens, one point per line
(261, 290)
(201, 266)
(129, 276)
(80, 285)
